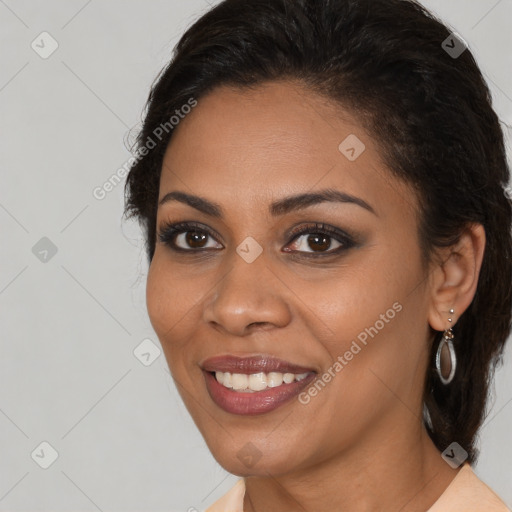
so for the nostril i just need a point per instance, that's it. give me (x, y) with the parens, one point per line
(257, 324)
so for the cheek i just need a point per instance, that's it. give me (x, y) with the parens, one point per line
(371, 316)
(357, 296)
(158, 298)
(169, 302)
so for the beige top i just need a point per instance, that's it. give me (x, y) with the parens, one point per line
(466, 493)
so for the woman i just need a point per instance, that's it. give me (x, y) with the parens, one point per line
(322, 189)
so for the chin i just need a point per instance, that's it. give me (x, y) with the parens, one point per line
(256, 456)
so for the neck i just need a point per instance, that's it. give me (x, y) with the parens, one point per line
(395, 473)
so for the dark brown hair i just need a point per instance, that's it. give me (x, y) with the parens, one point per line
(429, 111)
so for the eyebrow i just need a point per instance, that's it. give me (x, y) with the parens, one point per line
(280, 207)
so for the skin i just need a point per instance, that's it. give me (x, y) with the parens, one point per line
(360, 444)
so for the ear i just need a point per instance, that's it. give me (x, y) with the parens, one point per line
(454, 278)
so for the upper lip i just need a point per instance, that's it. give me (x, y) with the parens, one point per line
(251, 364)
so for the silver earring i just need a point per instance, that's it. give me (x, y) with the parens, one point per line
(446, 341)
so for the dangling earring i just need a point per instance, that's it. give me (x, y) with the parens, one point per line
(446, 341)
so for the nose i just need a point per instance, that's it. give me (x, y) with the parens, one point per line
(249, 297)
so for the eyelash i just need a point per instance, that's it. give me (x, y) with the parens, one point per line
(169, 231)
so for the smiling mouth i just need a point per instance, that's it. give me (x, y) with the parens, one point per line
(253, 385)
(256, 381)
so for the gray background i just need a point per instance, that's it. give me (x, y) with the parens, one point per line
(70, 324)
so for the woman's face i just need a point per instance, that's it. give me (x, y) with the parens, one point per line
(343, 313)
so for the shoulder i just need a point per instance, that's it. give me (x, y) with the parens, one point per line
(467, 493)
(232, 501)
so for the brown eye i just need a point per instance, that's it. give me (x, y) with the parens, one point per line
(319, 242)
(315, 242)
(195, 239)
(188, 237)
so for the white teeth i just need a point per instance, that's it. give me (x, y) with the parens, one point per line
(227, 380)
(288, 378)
(240, 381)
(256, 381)
(274, 379)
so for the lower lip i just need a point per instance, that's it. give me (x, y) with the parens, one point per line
(257, 402)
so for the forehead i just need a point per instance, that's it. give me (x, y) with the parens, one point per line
(249, 146)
